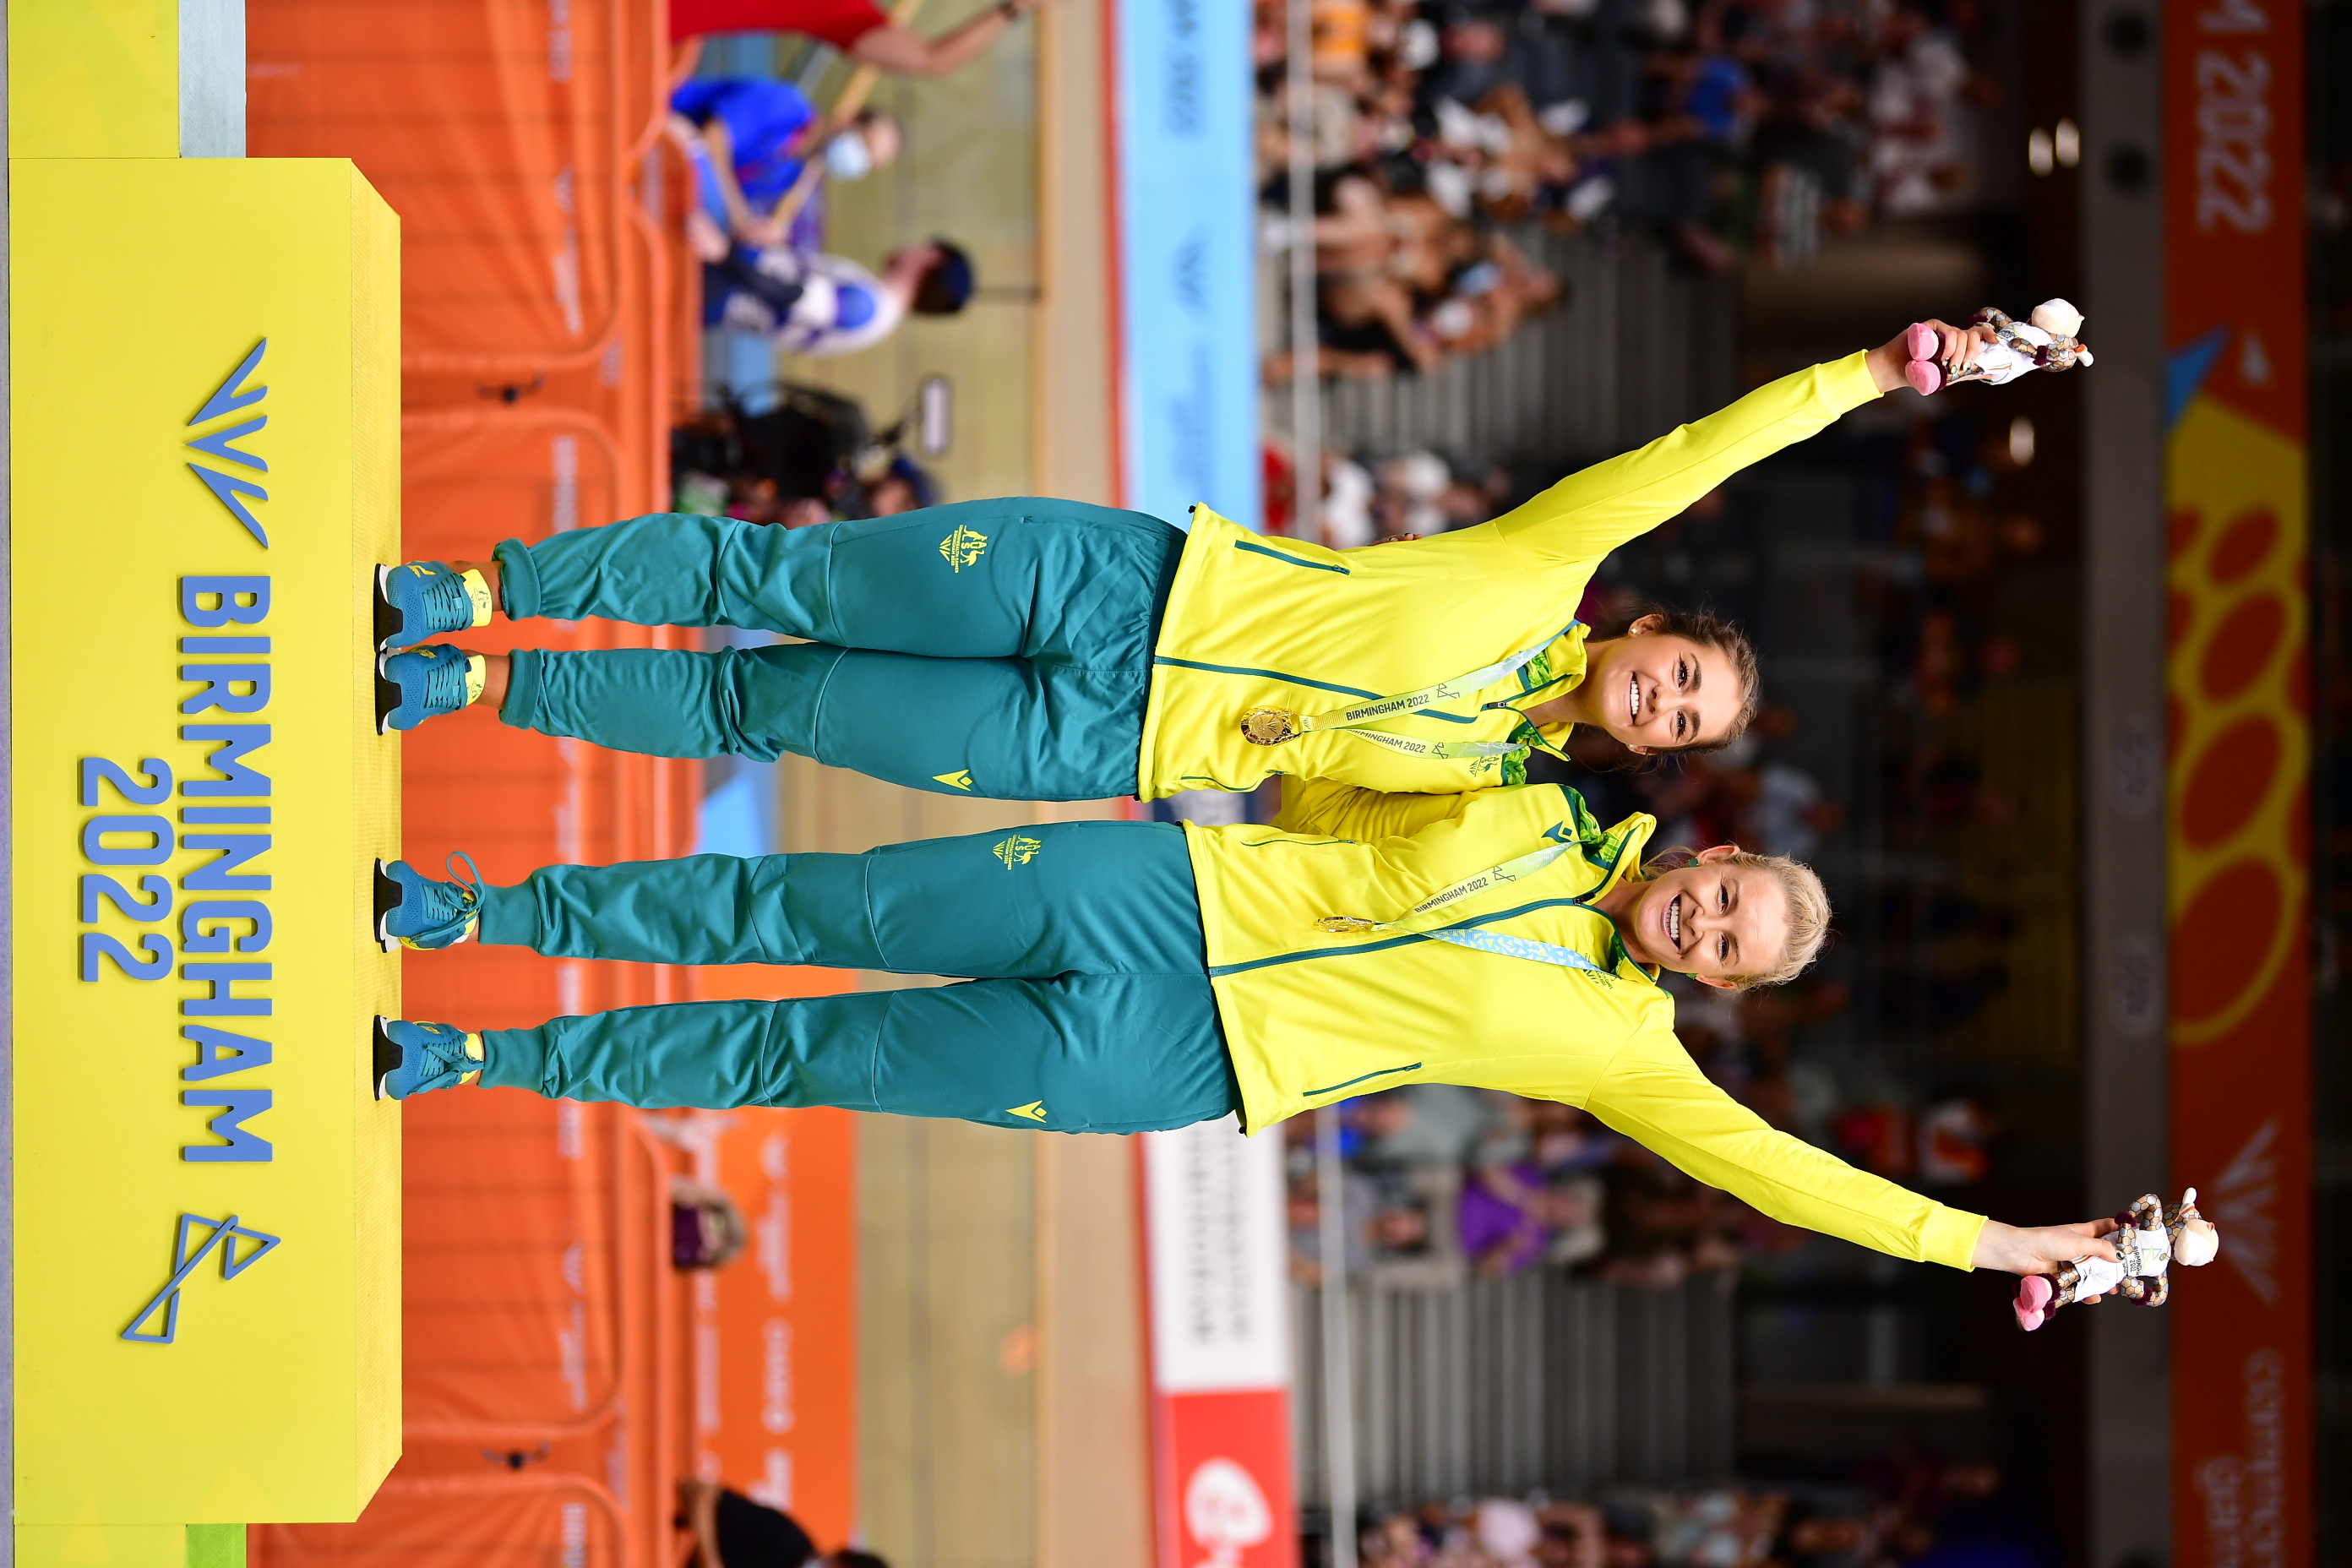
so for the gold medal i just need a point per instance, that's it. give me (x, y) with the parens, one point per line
(1341, 925)
(1269, 726)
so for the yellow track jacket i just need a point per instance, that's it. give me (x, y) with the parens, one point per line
(1263, 622)
(1312, 1018)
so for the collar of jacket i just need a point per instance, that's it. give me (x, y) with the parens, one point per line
(1618, 852)
(1541, 672)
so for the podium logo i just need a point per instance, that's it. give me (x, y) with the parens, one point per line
(233, 396)
(163, 1308)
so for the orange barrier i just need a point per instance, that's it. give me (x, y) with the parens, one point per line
(533, 1520)
(560, 1373)
(546, 1386)
(502, 131)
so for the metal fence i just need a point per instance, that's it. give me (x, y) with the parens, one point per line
(1536, 1380)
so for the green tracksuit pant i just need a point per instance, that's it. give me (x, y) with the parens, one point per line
(1091, 1009)
(999, 649)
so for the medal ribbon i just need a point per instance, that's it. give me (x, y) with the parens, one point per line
(1357, 719)
(1520, 947)
(1511, 871)
(1484, 940)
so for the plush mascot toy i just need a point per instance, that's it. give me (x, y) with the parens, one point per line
(2152, 1239)
(2043, 340)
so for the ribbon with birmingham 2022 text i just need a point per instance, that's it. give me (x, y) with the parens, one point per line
(1273, 726)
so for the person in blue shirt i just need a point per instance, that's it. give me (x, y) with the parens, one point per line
(749, 139)
(815, 305)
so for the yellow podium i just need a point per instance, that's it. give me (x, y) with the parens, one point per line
(205, 416)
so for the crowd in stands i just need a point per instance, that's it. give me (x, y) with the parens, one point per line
(1912, 1508)
(1443, 1183)
(1369, 497)
(1721, 125)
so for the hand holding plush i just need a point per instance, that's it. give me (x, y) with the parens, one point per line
(2152, 1239)
(2044, 340)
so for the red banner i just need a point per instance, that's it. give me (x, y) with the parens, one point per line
(2240, 766)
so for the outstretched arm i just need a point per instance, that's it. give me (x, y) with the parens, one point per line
(721, 145)
(904, 52)
(1595, 510)
(697, 1504)
(1654, 1094)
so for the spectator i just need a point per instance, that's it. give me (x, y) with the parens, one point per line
(810, 458)
(749, 139)
(731, 1531)
(706, 1228)
(1381, 1222)
(1510, 1219)
(818, 305)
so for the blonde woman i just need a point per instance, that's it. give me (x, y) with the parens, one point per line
(1133, 975)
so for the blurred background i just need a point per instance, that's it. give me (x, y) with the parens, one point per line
(1530, 235)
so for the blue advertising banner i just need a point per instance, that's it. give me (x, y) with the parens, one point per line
(1187, 317)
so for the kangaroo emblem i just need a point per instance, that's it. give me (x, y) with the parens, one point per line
(1017, 851)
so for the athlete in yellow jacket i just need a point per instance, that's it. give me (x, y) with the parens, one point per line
(1132, 976)
(1047, 650)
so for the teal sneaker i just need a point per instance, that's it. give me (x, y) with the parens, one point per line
(418, 1058)
(414, 911)
(424, 598)
(422, 683)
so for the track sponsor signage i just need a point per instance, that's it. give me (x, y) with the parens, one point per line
(1180, 96)
(1220, 1349)
(2238, 810)
(774, 1332)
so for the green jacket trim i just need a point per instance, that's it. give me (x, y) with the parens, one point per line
(1293, 560)
(1267, 674)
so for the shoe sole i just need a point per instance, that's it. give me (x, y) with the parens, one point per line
(387, 624)
(387, 1057)
(386, 900)
(387, 695)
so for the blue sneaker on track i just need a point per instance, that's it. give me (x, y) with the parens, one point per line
(414, 911)
(418, 1058)
(420, 599)
(421, 683)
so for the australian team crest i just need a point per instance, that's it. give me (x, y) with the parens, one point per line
(1017, 850)
(963, 547)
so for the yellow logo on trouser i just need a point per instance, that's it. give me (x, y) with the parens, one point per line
(1017, 851)
(963, 547)
(959, 779)
(1034, 1110)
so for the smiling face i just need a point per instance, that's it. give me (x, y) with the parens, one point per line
(1656, 691)
(1714, 919)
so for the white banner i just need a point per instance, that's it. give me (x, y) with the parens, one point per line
(1214, 1210)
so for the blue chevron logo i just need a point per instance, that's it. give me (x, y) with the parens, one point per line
(166, 1303)
(231, 396)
